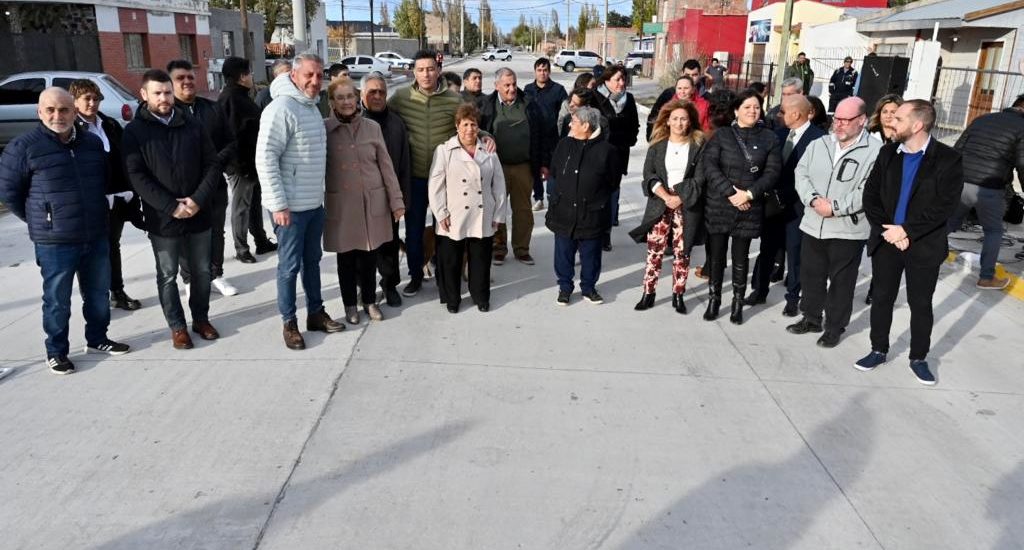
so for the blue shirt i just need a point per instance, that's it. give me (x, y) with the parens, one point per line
(911, 163)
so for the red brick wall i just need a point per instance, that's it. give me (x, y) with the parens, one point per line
(160, 48)
(183, 26)
(139, 24)
(115, 61)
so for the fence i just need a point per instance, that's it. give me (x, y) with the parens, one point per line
(962, 95)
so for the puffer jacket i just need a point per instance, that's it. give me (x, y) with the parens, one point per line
(430, 120)
(58, 189)
(166, 162)
(843, 182)
(291, 150)
(588, 174)
(992, 146)
(725, 166)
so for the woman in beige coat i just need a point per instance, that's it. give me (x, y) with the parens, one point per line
(362, 197)
(467, 197)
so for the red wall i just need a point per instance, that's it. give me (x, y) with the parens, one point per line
(700, 35)
(836, 3)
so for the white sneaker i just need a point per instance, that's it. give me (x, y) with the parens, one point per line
(538, 205)
(224, 287)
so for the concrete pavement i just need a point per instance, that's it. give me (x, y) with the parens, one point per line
(531, 426)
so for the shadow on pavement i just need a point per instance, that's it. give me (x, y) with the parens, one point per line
(1006, 506)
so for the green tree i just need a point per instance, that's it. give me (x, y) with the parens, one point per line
(408, 19)
(522, 34)
(616, 19)
(643, 12)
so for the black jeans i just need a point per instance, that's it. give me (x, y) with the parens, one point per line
(779, 238)
(829, 270)
(358, 268)
(387, 260)
(114, 230)
(450, 255)
(887, 268)
(218, 215)
(195, 249)
(241, 211)
(717, 246)
(259, 233)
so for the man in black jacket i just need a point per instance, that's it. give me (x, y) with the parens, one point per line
(842, 83)
(208, 113)
(992, 146)
(374, 91)
(243, 120)
(124, 204)
(549, 95)
(588, 172)
(54, 179)
(912, 191)
(781, 232)
(172, 164)
(524, 144)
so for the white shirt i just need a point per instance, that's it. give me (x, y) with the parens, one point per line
(798, 133)
(924, 148)
(839, 147)
(677, 158)
(97, 129)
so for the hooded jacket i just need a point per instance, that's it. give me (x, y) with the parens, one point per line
(165, 162)
(843, 182)
(291, 150)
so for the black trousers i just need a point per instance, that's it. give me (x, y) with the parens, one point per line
(256, 228)
(887, 268)
(358, 268)
(450, 254)
(118, 218)
(387, 260)
(717, 247)
(828, 271)
(218, 216)
(780, 242)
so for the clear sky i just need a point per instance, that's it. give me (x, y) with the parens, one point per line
(505, 12)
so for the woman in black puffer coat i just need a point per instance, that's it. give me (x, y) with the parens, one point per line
(741, 163)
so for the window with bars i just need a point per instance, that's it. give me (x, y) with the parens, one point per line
(135, 51)
(186, 42)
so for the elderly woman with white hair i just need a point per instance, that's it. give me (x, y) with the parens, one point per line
(588, 170)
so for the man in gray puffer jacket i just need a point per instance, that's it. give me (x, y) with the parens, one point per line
(830, 182)
(291, 161)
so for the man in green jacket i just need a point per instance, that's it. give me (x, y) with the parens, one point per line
(801, 68)
(428, 110)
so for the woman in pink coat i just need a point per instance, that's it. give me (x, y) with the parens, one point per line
(362, 197)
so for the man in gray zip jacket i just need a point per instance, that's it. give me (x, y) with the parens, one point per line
(830, 182)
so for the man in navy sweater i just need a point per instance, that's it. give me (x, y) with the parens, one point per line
(54, 179)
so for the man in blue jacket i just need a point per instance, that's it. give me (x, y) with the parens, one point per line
(54, 178)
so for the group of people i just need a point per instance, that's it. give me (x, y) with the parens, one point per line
(719, 172)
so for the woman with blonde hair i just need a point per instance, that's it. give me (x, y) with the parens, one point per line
(882, 125)
(362, 197)
(673, 188)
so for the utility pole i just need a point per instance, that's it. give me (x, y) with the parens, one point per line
(787, 22)
(344, 30)
(462, 27)
(299, 25)
(604, 46)
(373, 43)
(246, 39)
(568, 21)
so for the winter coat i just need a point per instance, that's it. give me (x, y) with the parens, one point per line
(690, 190)
(992, 146)
(549, 98)
(933, 200)
(786, 186)
(542, 137)
(587, 174)
(209, 114)
(396, 138)
(469, 189)
(362, 190)
(291, 150)
(263, 98)
(725, 166)
(843, 182)
(623, 127)
(242, 116)
(841, 85)
(430, 120)
(58, 189)
(117, 179)
(803, 72)
(166, 162)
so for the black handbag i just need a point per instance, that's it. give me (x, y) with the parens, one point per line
(1014, 210)
(773, 205)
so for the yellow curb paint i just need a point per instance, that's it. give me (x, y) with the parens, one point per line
(1016, 286)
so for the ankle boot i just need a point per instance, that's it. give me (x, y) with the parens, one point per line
(714, 300)
(736, 317)
(646, 302)
(678, 304)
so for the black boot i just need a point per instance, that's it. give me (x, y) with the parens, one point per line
(677, 303)
(736, 317)
(739, 289)
(646, 302)
(120, 300)
(714, 300)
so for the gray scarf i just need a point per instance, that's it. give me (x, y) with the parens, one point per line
(618, 100)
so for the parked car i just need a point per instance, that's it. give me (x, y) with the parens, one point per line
(362, 65)
(395, 60)
(19, 97)
(503, 54)
(635, 61)
(568, 60)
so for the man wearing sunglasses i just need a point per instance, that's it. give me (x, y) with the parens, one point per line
(830, 181)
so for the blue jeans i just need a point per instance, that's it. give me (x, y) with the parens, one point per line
(565, 262)
(58, 264)
(990, 204)
(190, 253)
(415, 221)
(299, 249)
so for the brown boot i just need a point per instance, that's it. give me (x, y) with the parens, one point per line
(181, 339)
(205, 330)
(322, 322)
(292, 336)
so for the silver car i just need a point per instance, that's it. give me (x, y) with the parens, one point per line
(19, 96)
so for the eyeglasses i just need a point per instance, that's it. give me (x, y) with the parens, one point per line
(838, 120)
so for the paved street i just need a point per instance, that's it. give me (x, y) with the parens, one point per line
(528, 427)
